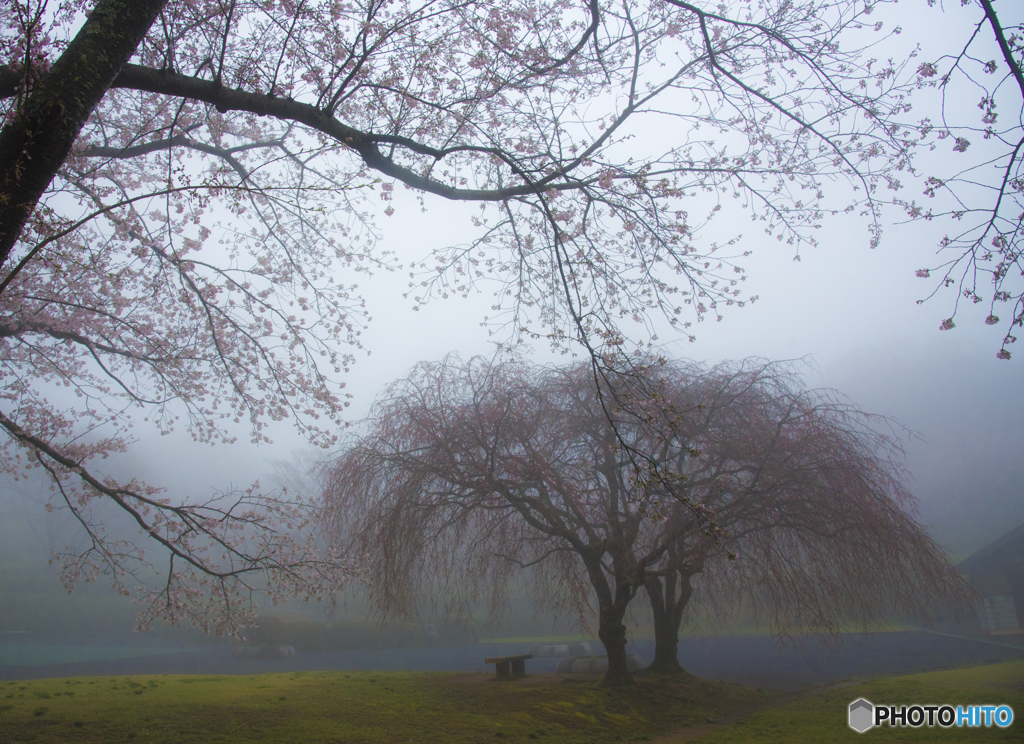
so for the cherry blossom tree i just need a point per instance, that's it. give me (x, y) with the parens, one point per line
(815, 529)
(788, 499)
(979, 91)
(187, 190)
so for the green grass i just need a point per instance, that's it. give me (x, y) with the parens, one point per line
(392, 707)
(356, 707)
(821, 717)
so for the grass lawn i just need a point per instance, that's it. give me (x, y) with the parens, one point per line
(356, 707)
(821, 716)
(371, 707)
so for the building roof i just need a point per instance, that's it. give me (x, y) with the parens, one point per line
(988, 568)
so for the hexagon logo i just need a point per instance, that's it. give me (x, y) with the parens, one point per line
(862, 714)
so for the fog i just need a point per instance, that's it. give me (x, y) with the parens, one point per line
(849, 311)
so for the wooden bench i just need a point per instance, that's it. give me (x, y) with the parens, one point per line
(509, 667)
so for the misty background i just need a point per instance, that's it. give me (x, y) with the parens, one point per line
(850, 311)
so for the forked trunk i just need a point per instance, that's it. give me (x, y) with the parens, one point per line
(667, 609)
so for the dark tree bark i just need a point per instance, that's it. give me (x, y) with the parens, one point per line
(611, 613)
(669, 596)
(612, 632)
(37, 142)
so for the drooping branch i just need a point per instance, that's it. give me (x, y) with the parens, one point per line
(982, 196)
(464, 470)
(251, 549)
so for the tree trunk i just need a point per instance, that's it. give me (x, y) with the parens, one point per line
(611, 611)
(612, 633)
(667, 609)
(36, 143)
